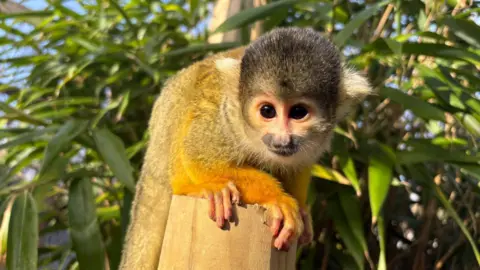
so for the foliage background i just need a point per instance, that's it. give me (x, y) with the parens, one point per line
(400, 189)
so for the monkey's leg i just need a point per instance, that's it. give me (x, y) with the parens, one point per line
(256, 187)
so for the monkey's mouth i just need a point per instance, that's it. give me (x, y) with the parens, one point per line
(284, 151)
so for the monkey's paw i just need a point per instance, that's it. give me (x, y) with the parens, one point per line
(286, 213)
(220, 203)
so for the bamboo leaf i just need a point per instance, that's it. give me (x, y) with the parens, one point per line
(22, 252)
(340, 219)
(26, 15)
(451, 211)
(382, 260)
(351, 207)
(12, 113)
(83, 226)
(112, 150)
(464, 29)
(380, 169)
(423, 150)
(62, 139)
(27, 137)
(341, 37)
(419, 107)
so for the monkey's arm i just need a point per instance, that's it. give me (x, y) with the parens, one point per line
(255, 186)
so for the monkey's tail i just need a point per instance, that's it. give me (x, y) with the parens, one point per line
(148, 220)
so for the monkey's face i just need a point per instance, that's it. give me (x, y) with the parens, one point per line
(287, 131)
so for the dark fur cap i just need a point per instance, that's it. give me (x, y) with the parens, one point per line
(294, 62)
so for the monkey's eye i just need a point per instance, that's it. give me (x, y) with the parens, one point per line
(298, 112)
(267, 111)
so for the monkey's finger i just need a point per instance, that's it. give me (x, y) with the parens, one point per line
(227, 203)
(282, 240)
(211, 203)
(277, 218)
(235, 192)
(219, 209)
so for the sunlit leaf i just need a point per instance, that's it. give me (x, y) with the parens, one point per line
(382, 260)
(329, 174)
(380, 170)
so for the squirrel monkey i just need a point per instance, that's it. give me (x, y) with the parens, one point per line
(245, 124)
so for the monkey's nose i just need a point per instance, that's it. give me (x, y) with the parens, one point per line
(283, 145)
(282, 141)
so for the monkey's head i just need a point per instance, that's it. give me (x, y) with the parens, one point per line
(293, 89)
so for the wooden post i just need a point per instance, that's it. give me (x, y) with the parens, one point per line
(193, 241)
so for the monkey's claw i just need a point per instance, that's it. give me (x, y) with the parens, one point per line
(287, 223)
(220, 203)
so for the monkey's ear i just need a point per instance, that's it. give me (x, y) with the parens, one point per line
(229, 72)
(354, 88)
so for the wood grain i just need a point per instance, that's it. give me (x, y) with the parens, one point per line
(193, 241)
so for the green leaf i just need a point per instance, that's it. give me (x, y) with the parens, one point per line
(440, 50)
(464, 29)
(122, 12)
(64, 137)
(12, 113)
(469, 122)
(112, 150)
(55, 169)
(451, 211)
(380, 169)
(86, 44)
(27, 137)
(84, 229)
(382, 260)
(422, 150)
(381, 48)
(419, 107)
(341, 220)
(252, 15)
(22, 252)
(351, 207)
(5, 213)
(348, 168)
(360, 18)
(26, 15)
